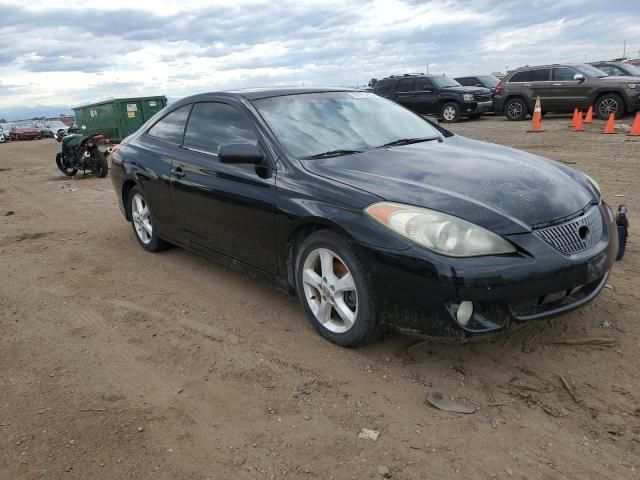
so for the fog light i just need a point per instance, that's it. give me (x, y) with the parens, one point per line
(465, 310)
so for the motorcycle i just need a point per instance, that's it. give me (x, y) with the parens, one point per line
(81, 152)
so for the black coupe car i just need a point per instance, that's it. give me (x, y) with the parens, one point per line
(374, 216)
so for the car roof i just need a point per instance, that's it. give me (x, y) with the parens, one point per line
(267, 92)
(534, 67)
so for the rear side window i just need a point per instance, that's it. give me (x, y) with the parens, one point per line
(171, 127)
(537, 75)
(406, 85)
(563, 74)
(213, 124)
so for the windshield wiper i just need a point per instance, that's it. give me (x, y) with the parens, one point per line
(408, 141)
(332, 153)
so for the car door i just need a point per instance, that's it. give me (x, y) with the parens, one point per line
(426, 99)
(405, 93)
(156, 149)
(567, 93)
(226, 208)
(537, 83)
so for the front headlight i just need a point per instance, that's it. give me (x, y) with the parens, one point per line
(438, 231)
(467, 97)
(595, 184)
(633, 85)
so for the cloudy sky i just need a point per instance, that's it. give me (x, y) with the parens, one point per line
(55, 53)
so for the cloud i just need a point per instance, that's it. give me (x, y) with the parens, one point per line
(95, 50)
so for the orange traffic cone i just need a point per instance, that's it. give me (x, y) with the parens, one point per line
(536, 121)
(589, 117)
(574, 120)
(611, 124)
(635, 128)
(578, 126)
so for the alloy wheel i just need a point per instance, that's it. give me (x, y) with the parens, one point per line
(608, 106)
(141, 218)
(449, 113)
(514, 110)
(330, 290)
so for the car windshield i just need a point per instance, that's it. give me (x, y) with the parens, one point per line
(489, 80)
(444, 82)
(590, 71)
(340, 123)
(632, 69)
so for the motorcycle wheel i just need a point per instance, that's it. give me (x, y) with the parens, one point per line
(69, 171)
(102, 168)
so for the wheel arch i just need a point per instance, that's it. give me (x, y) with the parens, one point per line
(295, 237)
(599, 95)
(127, 186)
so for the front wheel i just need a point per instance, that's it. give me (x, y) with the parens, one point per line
(608, 104)
(69, 171)
(142, 222)
(450, 112)
(335, 289)
(101, 168)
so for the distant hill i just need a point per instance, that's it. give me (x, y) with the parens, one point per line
(24, 113)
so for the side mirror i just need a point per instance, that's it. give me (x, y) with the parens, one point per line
(240, 153)
(579, 77)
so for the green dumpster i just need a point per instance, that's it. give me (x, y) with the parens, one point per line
(118, 118)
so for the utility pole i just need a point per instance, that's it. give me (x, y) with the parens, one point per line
(427, 65)
(624, 50)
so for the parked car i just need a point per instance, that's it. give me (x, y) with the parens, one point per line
(617, 69)
(562, 88)
(24, 132)
(53, 128)
(374, 216)
(486, 81)
(435, 95)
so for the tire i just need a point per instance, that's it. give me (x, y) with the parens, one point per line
(609, 103)
(450, 112)
(142, 223)
(516, 109)
(319, 289)
(69, 171)
(102, 167)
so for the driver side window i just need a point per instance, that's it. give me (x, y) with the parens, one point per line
(212, 124)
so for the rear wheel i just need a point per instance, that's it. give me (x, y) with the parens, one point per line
(69, 171)
(515, 109)
(142, 222)
(450, 112)
(102, 168)
(608, 104)
(335, 289)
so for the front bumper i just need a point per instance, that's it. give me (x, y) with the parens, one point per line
(474, 108)
(633, 100)
(420, 291)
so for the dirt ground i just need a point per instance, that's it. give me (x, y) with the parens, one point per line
(120, 364)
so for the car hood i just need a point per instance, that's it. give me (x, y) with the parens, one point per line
(500, 188)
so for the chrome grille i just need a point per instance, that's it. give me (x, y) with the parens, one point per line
(483, 97)
(575, 235)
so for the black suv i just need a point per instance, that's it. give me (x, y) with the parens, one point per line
(617, 69)
(562, 88)
(435, 95)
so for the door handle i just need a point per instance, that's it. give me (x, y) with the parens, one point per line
(557, 84)
(177, 172)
